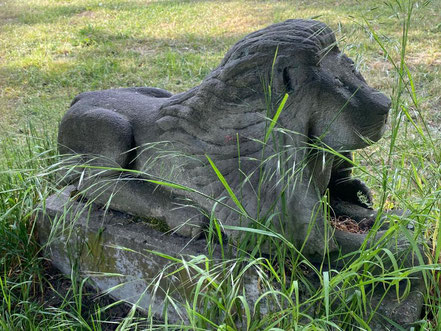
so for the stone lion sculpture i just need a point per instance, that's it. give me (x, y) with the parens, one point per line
(158, 136)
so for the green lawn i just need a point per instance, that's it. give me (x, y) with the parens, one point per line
(51, 50)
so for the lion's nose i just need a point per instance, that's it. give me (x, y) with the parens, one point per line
(383, 103)
(375, 101)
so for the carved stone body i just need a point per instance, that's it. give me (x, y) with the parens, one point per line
(160, 136)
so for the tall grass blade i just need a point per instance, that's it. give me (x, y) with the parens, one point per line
(227, 187)
(275, 118)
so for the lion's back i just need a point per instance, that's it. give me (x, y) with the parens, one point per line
(105, 122)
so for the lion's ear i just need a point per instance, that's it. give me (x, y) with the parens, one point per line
(286, 76)
(289, 73)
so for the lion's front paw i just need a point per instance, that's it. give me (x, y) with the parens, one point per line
(352, 190)
(315, 245)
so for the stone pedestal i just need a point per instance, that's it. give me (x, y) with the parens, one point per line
(117, 253)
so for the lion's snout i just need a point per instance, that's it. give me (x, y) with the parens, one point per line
(377, 103)
(379, 107)
(383, 104)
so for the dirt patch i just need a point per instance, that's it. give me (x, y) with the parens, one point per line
(381, 65)
(86, 13)
(145, 50)
(426, 58)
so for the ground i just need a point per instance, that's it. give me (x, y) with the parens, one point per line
(52, 50)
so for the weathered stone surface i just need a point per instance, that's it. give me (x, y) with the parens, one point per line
(160, 136)
(405, 313)
(112, 249)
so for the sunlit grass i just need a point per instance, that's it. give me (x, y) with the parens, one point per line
(58, 49)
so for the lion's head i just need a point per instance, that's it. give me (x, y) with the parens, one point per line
(328, 97)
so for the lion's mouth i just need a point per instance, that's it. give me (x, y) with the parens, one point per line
(375, 131)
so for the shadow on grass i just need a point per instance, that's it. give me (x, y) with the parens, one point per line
(101, 55)
(19, 13)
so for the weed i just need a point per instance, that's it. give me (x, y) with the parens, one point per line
(54, 50)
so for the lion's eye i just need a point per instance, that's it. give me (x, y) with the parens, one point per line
(338, 82)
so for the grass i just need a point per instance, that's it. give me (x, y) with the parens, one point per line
(53, 50)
